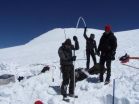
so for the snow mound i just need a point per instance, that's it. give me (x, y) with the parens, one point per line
(29, 60)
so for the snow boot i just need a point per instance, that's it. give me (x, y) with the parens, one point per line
(72, 95)
(66, 99)
(107, 82)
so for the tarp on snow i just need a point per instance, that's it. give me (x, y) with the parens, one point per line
(96, 69)
(6, 79)
(81, 73)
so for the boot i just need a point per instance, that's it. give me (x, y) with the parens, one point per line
(65, 98)
(72, 95)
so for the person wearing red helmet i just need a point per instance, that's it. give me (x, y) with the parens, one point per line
(107, 29)
(107, 47)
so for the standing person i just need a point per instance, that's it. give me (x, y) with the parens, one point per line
(107, 47)
(91, 48)
(67, 67)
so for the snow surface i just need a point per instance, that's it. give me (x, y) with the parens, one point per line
(28, 60)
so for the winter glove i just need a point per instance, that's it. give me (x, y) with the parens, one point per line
(73, 58)
(85, 27)
(75, 38)
(113, 55)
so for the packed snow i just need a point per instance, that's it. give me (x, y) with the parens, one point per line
(29, 60)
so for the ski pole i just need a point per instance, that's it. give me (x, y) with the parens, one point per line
(74, 76)
(113, 91)
(65, 34)
(74, 50)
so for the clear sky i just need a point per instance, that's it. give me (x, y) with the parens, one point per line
(23, 20)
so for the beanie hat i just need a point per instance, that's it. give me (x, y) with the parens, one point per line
(67, 42)
(107, 28)
(92, 36)
(38, 102)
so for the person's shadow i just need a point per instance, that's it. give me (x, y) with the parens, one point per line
(93, 80)
(57, 89)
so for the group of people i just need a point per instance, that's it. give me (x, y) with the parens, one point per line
(106, 50)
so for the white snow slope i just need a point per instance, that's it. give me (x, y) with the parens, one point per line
(26, 60)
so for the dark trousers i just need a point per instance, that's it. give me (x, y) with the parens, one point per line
(68, 79)
(88, 54)
(103, 60)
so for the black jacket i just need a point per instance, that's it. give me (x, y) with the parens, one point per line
(90, 43)
(108, 43)
(65, 54)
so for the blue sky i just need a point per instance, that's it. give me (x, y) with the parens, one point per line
(23, 20)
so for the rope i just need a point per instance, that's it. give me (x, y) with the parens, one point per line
(80, 18)
(79, 22)
(131, 66)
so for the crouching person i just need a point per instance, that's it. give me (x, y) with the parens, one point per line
(67, 67)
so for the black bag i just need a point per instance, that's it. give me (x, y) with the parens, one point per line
(79, 74)
(46, 68)
(96, 69)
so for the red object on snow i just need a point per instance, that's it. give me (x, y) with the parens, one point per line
(125, 61)
(38, 102)
(126, 58)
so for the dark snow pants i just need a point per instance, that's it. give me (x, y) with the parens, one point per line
(88, 54)
(68, 79)
(103, 60)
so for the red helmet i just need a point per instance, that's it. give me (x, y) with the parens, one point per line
(107, 28)
(38, 102)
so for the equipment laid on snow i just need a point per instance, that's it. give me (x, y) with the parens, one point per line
(45, 68)
(6, 79)
(79, 74)
(82, 73)
(96, 69)
(126, 58)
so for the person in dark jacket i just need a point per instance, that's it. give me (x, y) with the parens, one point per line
(91, 48)
(67, 67)
(107, 47)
